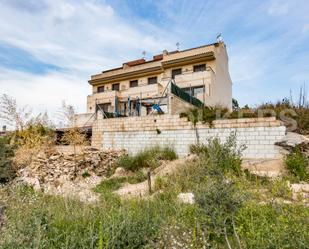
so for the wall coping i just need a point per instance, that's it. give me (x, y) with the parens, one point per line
(174, 122)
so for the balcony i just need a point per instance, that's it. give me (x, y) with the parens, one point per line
(141, 91)
(109, 94)
(191, 78)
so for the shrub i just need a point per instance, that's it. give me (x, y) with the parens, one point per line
(35, 220)
(161, 183)
(35, 137)
(297, 164)
(227, 156)
(206, 114)
(148, 158)
(219, 200)
(273, 226)
(281, 188)
(290, 113)
(302, 119)
(7, 171)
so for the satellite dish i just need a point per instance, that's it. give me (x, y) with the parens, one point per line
(219, 38)
(177, 45)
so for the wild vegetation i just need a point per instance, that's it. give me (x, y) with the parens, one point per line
(148, 158)
(228, 211)
(294, 114)
(297, 163)
(232, 209)
(7, 171)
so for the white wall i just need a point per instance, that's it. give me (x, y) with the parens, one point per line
(258, 140)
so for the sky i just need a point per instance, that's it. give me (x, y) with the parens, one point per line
(49, 48)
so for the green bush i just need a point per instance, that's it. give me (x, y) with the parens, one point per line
(285, 110)
(148, 158)
(35, 220)
(219, 199)
(227, 156)
(206, 114)
(281, 188)
(273, 226)
(224, 212)
(297, 164)
(7, 171)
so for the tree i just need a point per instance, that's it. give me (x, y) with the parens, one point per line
(73, 135)
(12, 115)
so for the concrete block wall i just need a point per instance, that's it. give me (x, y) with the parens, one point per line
(137, 133)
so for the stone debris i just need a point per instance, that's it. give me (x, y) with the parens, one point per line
(121, 172)
(187, 198)
(300, 191)
(69, 174)
(291, 140)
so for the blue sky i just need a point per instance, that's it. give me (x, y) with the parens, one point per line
(49, 48)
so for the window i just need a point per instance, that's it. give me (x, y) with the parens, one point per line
(133, 83)
(199, 68)
(100, 89)
(105, 107)
(176, 72)
(152, 80)
(198, 90)
(194, 91)
(115, 87)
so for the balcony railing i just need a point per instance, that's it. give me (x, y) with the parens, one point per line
(142, 91)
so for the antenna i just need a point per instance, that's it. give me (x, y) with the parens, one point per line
(144, 54)
(219, 37)
(177, 45)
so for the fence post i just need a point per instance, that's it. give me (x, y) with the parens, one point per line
(149, 181)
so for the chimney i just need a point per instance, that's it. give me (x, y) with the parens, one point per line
(165, 52)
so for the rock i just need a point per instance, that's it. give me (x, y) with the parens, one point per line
(300, 187)
(187, 198)
(119, 172)
(55, 157)
(300, 191)
(292, 139)
(264, 167)
(34, 182)
(58, 173)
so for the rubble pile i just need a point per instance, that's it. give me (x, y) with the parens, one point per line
(54, 173)
(293, 140)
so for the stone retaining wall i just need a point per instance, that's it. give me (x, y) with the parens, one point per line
(136, 133)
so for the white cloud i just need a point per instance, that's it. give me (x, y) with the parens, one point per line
(76, 34)
(44, 92)
(83, 37)
(86, 36)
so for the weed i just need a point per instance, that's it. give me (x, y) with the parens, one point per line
(226, 156)
(85, 174)
(273, 226)
(148, 158)
(7, 171)
(297, 164)
(281, 188)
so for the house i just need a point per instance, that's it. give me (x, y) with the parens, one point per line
(168, 83)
